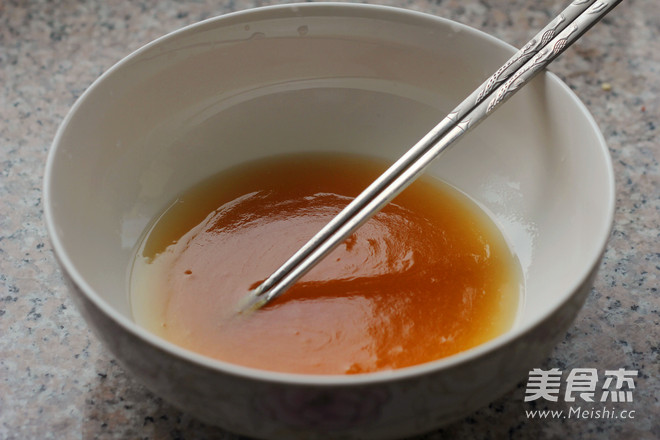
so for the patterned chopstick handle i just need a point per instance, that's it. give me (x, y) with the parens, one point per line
(530, 49)
(549, 52)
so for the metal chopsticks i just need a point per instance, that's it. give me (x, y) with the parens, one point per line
(540, 51)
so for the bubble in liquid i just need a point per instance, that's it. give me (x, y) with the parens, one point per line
(303, 30)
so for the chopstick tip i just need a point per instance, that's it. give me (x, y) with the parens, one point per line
(251, 302)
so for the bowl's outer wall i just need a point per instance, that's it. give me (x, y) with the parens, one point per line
(372, 410)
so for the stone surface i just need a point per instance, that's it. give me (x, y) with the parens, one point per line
(57, 381)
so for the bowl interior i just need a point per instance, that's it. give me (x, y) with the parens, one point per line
(329, 78)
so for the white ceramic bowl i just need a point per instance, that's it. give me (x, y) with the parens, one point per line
(339, 77)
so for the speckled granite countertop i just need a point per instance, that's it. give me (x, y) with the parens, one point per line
(57, 381)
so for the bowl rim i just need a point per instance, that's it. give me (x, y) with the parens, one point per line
(398, 14)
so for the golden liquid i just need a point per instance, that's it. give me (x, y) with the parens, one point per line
(427, 277)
